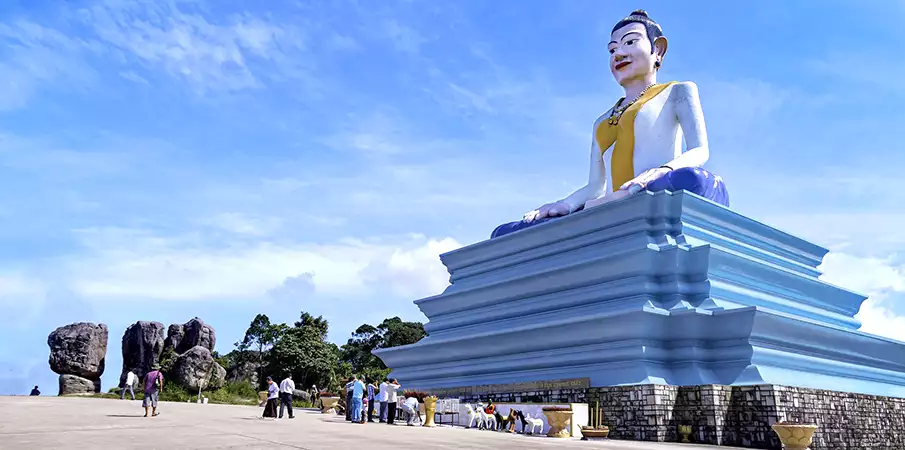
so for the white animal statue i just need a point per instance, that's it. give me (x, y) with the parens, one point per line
(472, 416)
(488, 421)
(533, 426)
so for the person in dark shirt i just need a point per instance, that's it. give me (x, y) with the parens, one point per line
(35, 391)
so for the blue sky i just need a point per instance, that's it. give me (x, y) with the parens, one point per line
(164, 160)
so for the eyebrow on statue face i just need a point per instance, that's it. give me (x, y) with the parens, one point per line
(626, 35)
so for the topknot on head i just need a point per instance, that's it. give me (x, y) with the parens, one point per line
(639, 12)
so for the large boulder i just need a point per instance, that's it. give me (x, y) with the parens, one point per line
(193, 333)
(78, 349)
(299, 394)
(243, 372)
(218, 377)
(193, 368)
(142, 345)
(76, 385)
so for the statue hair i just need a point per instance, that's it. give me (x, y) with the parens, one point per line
(640, 16)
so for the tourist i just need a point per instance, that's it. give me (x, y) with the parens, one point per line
(130, 380)
(372, 398)
(382, 398)
(349, 383)
(35, 391)
(411, 408)
(153, 388)
(364, 399)
(287, 387)
(358, 390)
(392, 387)
(315, 394)
(273, 394)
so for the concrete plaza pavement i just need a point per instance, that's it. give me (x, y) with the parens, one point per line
(58, 422)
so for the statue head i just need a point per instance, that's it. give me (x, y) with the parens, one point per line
(637, 47)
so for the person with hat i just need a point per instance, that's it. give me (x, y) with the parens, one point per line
(153, 387)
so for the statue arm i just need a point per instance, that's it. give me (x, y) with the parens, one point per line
(596, 186)
(691, 119)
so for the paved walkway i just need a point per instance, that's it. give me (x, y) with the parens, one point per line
(55, 422)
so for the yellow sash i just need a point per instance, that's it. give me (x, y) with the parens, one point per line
(622, 163)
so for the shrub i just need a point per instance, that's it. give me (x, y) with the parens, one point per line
(419, 395)
(556, 408)
(327, 394)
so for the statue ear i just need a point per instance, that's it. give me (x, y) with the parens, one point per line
(660, 46)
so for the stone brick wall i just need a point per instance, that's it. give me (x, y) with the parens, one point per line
(846, 421)
(735, 415)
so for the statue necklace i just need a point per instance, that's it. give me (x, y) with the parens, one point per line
(617, 111)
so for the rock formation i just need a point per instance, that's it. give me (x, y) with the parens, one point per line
(193, 333)
(76, 385)
(77, 353)
(218, 377)
(195, 367)
(142, 345)
(243, 372)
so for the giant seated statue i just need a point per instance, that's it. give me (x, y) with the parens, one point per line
(637, 144)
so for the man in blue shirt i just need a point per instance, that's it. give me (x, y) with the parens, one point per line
(358, 390)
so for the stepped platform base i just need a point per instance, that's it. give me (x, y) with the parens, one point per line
(738, 416)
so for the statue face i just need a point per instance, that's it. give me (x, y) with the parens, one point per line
(630, 53)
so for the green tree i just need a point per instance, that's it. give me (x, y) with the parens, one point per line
(304, 352)
(392, 332)
(396, 332)
(260, 336)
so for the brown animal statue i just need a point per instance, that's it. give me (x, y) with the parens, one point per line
(513, 416)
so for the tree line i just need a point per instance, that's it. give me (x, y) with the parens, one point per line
(302, 349)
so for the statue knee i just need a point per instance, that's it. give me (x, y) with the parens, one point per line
(687, 178)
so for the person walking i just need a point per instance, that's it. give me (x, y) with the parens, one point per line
(358, 390)
(382, 398)
(130, 380)
(153, 388)
(273, 394)
(287, 386)
(392, 387)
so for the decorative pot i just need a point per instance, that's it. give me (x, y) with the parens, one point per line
(588, 433)
(328, 404)
(684, 431)
(559, 423)
(430, 407)
(795, 436)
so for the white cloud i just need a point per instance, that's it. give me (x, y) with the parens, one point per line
(22, 297)
(294, 289)
(244, 224)
(132, 264)
(33, 56)
(210, 56)
(877, 318)
(882, 279)
(417, 271)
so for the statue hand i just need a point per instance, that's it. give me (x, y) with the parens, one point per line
(554, 209)
(640, 182)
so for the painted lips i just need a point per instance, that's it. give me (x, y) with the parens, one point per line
(622, 65)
